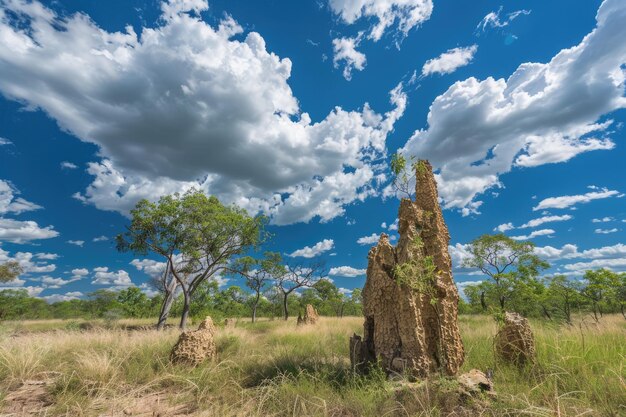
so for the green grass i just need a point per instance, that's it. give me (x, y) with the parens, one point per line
(274, 368)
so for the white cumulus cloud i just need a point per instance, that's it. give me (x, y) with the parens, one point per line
(449, 61)
(567, 201)
(212, 112)
(315, 250)
(344, 50)
(346, 271)
(542, 113)
(406, 14)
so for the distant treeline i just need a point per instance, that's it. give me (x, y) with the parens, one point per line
(557, 298)
(208, 300)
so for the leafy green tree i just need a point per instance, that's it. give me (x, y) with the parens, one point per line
(563, 296)
(196, 235)
(259, 273)
(134, 302)
(621, 293)
(505, 262)
(298, 276)
(600, 290)
(330, 296)
(103, 302)
(9, 271)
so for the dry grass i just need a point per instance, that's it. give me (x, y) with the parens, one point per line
(275, 368)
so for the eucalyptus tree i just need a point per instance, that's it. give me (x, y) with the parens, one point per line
(298, 276)
(259, 274)
(195, 234)
(564, 295)
(506, 263)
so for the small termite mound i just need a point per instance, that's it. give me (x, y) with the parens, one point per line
(410, 301)
(515, 342)
(310, 316)
(195, 346)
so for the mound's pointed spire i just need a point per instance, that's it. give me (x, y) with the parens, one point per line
(410, 300)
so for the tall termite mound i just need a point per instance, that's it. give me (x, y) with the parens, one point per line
(410, 301)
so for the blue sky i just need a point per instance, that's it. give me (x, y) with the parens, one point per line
(293, 109)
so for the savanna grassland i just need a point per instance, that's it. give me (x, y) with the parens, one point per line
(273, 368)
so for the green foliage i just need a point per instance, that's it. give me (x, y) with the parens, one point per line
(195, 233)
(509, 265)
(418, 273)
(9, 271)
(403, 171)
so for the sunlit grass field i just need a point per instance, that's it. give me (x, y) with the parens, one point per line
(273, 368)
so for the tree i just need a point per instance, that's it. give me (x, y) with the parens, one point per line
(196, 235)
(134, 302)
(330, 295)
(403, 173)
(563, 294)
(9, 271)
(259, 273)
(505, 262)
(600, 289)
(298, 276)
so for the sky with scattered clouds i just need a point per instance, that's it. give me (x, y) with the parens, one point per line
(292, 109)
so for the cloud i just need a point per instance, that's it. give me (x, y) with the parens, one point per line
(17, 231)
(543, 113)
(311, 252)
(344, 49)
(570, 251)
(545, 219)
(407, 14)
(79, 243)
(394, 225)
(368, 240)
(212, 112)
(47, 256)
(30, 263)
(55, 298)
(504, 227)
(10, 203)
(100, 239)
(103, 276)
(154, 269)
(603, 220)
(68, 165)
(579, 268)
(493, 20)
(346, 271)
(51, 282)
(79, 273)
(605, 231)
(534, 233)
(571, 200)
(5, 141)
(449, 61)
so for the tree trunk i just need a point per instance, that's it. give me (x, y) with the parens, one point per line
(483, 304)
(546, 312)
(623, 308)
(285, 310)
(165, 310)
(502, 300)
(186, 306)
(254, 307)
